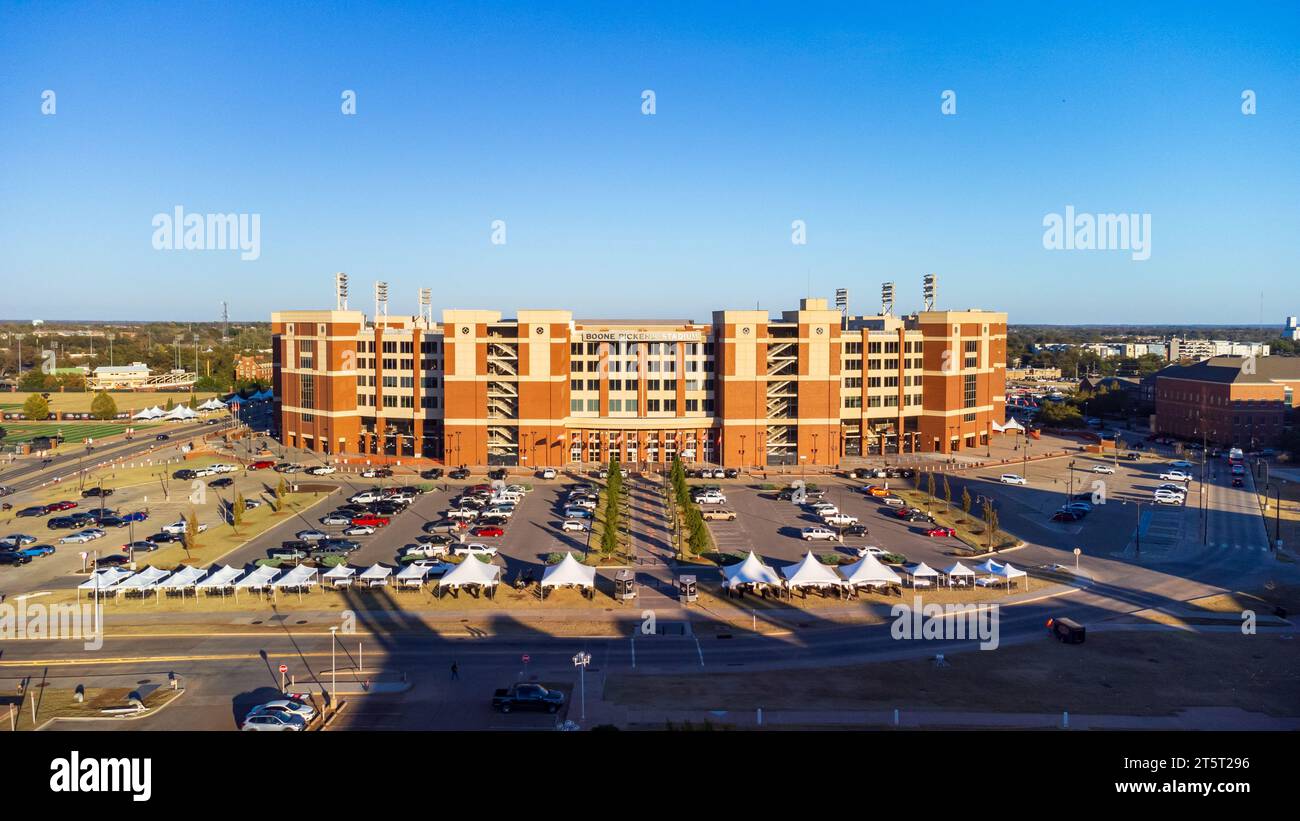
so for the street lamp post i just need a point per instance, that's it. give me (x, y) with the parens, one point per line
(333, 667)
(581, 660)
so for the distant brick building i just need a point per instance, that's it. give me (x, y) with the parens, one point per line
(1229, 400)
(252, 369)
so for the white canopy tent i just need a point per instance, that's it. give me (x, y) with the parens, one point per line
(141, 582)
(870, 572)
(148, 413)
(750, 572)
(180, 413)
(568, 573)
(298, 576)
(1013, 425)
(104, 580)
(959, 572)
(413, 575)
(474, 573)
(810, 572)
(340, 575)
(921, 575)
(257, 580)
(221, 579)
(183, 579)
(1010, 574)
(213, 404)
(376, 575)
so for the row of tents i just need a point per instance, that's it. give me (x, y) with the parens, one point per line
(224, 579)
(868, 572)
(184, 413)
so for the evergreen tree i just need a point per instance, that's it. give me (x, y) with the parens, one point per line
(103, 407)
(36, 408)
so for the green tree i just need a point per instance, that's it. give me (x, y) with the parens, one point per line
(36, 407)
(277, 501)
(103, 407)
(965, 501)
(237, 511)
(191, 532)
(947, 493)
(170, 404)
(33, 380)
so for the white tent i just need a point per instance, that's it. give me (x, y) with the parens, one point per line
(340, 575)
(183, 579)
(569, 572)
(180, 413)
(869, 572)
(221, 578)
(145, 580)
(413, 575)
(476, 573)
(1013, 425)
(148, 413)
(921, 574)
(376, 575)
(960, 572)
(751, 571)
(298, 576)
(1010, 574)
(810, 572)
(259, 579)
(105, 579)
(213, 404)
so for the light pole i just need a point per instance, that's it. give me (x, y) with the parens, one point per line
(333, 668)
(581, 660)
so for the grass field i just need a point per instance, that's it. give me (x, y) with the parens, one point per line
(74, 433)
(80, 402)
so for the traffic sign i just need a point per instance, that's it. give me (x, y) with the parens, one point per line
(284, 668)
(525, 658)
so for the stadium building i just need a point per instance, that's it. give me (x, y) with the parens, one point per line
(813, 386)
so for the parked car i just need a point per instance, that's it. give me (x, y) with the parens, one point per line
(474, 549)
(276, 722)
(35, 510)
(225, 481)
(1182, 464)
(96, 491)
(527, 696)
(1107, 469)
(1237, 481)
(291, 552)
(179, 528)
(809, 534)
(717, 513)
(548, 473)
(577, 513)
(1067, 516)
(372, 521)
(13, 557)
(487, 532)
(940, 532)
(322, 470)
(16, 540)
(261, 464)
(162, 437)
(894, 501)
(431, 473)
(840, 520)
(1176, 476)
(459, 473)
(574, 526)
(1011, 479)
(139, 545)
(377, 473)
(429, 551)
(112, 560)
(336, 519)
(37, 551)
(311, 535)
(878, 552)
(286, 706)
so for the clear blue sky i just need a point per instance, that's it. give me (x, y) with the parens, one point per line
(765, 114)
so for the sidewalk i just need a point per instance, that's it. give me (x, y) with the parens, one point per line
(1197, 718)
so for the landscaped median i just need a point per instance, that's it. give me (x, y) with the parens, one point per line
(970, 530)
(41, 703)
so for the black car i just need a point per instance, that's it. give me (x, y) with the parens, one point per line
(225, 481)
(498, 473)
(345, 545)
(434, 538)
(142, 545)
(162, 437)
(113, 560)
(732, 473)
(111, 521)
(96, 491)
(62, 523)
(459, 473)
(856, 530)
(11, 557)
(164, 538)
(36, 510)
(431, 473)
(493, 519)
(184, 473)
(918, 516)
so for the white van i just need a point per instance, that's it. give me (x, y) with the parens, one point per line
(513, 497)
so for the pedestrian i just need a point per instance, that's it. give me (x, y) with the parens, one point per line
(455, 672)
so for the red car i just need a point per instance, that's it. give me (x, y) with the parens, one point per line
(371, 521)
(938, 532)
(904, 512)
(488, 531)
(1237, 482)
(262, 464)
(63, 505)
